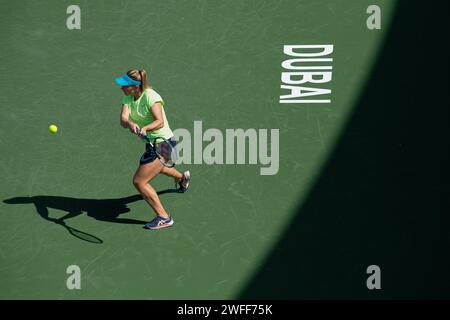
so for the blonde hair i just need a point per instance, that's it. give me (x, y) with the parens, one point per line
(139, 75)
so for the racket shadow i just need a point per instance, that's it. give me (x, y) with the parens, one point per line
(80, 234)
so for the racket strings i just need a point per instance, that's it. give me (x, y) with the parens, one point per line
(165, 151)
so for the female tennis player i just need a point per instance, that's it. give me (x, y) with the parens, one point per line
(143, 113)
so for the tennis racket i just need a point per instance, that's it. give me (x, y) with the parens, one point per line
(164, 151)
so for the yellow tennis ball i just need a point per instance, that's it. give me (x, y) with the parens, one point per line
(53, 128)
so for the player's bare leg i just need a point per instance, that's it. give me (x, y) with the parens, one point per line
(144, 174)
(172, 172)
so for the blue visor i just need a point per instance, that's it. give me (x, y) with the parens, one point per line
(127, 81)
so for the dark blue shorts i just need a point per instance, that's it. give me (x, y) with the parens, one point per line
(150, 155)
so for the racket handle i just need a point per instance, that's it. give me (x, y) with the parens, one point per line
(144, 137)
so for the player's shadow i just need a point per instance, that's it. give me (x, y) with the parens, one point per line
(107, 210)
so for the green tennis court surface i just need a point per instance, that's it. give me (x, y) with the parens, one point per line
(358, 181)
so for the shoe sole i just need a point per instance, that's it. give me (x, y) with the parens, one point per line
(188, 178)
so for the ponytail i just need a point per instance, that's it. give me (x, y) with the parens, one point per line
(144, 84)
(139, 75)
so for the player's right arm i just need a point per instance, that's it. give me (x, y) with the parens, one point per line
(124, 122)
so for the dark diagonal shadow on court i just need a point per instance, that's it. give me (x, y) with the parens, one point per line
(108, 210)
(382, 198)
